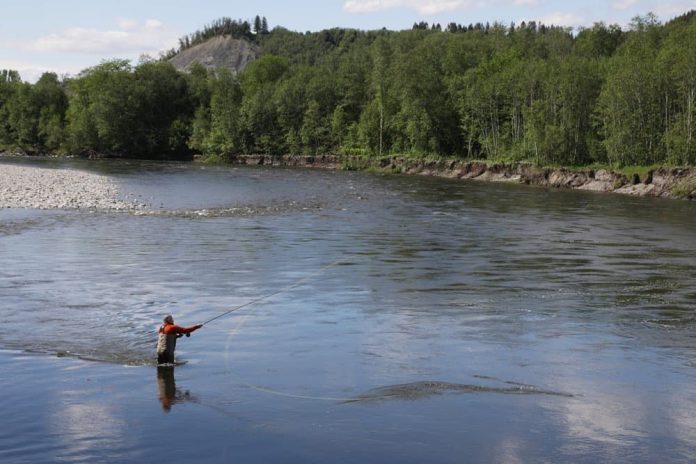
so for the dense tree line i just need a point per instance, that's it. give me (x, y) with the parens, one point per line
(525, 92)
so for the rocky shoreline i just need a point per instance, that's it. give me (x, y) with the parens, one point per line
(42, 188)
(662, 182)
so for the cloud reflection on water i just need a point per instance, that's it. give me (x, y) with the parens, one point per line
(88, 429)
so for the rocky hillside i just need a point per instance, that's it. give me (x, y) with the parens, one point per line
(218, 52)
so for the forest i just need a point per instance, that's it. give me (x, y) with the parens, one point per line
(505, 93)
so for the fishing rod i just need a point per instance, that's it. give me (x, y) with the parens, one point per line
(265, 297)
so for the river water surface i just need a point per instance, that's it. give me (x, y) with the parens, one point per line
(420, 320)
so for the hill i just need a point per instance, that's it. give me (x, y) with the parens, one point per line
(218, 52)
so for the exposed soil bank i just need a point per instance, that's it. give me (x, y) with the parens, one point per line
(662, 182)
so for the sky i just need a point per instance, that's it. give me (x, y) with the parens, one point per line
(68, 36)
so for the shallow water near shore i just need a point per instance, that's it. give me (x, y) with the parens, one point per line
(424, 320)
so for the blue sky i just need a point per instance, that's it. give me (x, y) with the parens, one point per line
(70, 35)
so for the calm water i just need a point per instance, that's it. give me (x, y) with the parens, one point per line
(424, 320)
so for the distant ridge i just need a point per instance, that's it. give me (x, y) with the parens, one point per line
(218, 52)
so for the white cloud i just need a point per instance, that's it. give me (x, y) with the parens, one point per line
(129, 38)
(127, 24)
(429, 7)
(668, 10)
(569, 19)
(424, 7)
(153, 24)
(31, 72)
(574, 14)
(369, 6)
(623, 4)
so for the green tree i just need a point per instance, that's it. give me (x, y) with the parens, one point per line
(50, 94)
(560, 128)
(313, 132)
(339, 127)
(375, 127)
(199, 84)
(10, 82)
(23, 116)
(264, 25)
(291, 97)
(631, 103)
(678, 61)
(224, 138)
(164, 111)
(103, 113)
(142, 112)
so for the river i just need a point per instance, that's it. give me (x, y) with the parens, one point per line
(411, 319)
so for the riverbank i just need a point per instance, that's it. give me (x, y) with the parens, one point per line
(74, 189)
(42, 188)
(660, 182)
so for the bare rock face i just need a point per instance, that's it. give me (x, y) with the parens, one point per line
(218, 52)
(601, 181)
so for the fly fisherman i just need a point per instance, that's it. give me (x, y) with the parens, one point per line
(166, 343)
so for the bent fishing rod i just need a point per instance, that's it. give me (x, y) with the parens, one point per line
(265, 297)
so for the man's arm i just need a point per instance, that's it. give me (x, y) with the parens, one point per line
(182, 330)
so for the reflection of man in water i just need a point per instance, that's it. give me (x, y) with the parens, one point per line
(166, 342)
(166, 387)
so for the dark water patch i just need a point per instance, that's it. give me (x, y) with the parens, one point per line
(126, 354)
(239, 211)
(17, 221)
(687, 321)
(425, 389)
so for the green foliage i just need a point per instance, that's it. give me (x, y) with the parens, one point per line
(199, 91)
(52, 101)
(631, 102)
(560, 128)
(679, 72)
(222, 138)
(142, 112)
(266, 70)
(514, 93)
(32, 116)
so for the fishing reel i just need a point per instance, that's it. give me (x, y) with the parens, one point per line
(188, 334)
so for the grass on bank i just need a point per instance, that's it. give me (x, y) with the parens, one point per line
(685, 189)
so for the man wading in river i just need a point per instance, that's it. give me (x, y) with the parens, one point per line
(166, 343)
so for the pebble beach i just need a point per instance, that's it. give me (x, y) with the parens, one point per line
(42, 188)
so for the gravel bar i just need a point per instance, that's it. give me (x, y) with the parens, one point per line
(41, 188)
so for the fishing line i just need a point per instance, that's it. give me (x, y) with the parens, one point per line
(284, 289)
(267, 390)
(243, 320)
